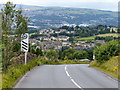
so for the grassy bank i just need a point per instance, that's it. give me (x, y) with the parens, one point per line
(0, 81)
(110, 67)
(13, 73)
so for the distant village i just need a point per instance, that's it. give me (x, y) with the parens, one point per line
(50, 42)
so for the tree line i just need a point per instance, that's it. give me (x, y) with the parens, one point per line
(87, 31)
(66, 53)
(13, 23)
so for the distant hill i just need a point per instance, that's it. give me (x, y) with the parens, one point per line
(46, 17)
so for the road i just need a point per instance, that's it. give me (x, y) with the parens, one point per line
(66, 76)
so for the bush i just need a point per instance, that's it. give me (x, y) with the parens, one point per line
(9, 78)
(104, 52)
(52, 54)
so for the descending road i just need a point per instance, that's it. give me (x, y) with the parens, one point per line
(66, 76)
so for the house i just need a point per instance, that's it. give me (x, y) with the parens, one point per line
(62, 38)
(114, 29)
(46, 32)
(66, 44)
(100, 41)
(62, 30)
(46, 45)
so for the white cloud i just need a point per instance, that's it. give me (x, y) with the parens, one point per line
(46, 1)
(96, 4)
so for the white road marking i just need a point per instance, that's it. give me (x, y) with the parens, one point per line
(67, 74)
(75, 83)
(71, 77)
(66, 68)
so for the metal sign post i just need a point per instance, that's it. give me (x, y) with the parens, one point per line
(93, 57)
(25, 57)
(25, 44)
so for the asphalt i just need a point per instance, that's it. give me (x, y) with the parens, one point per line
(66, 76)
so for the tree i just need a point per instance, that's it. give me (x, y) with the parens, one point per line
(80, 55)
(7, 22)
(21, 23)
(104, 52)
(16, 46)
(69, 53)
(12, 21)
(39, 52)
(52, 54)
(32, 50)
(71, 39)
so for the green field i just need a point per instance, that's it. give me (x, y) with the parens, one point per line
(100, 35)
(109, 34)
(87, 38)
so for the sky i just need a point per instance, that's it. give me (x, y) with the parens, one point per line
(111, 5)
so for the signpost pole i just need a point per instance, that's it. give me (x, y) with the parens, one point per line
(93, 57)
(25, 57)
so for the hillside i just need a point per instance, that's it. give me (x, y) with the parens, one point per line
(46, 17)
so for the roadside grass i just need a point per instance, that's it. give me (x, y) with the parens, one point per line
(68, 62)
(110, 67)
(14, 73)
(0, 81)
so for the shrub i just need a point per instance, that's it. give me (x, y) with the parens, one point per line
(104, 52)
(9, 78)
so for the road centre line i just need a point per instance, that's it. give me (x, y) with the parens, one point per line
(71, 77)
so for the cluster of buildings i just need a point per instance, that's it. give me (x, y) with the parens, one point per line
(47, 38)
(58, 44)
(46, 41)
(50, 31)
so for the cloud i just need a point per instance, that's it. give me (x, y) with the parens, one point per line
(95, 4)
(48, 1)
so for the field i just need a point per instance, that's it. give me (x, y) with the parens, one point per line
(100, 35)
(109, 34)
(86, 38)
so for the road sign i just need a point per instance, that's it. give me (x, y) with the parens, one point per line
(24, 42)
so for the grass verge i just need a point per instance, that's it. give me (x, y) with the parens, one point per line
(9, 78)
(110, 67)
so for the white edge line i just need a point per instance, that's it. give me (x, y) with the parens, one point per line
(71, 77)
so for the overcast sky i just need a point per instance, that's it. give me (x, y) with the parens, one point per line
(93, 4)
